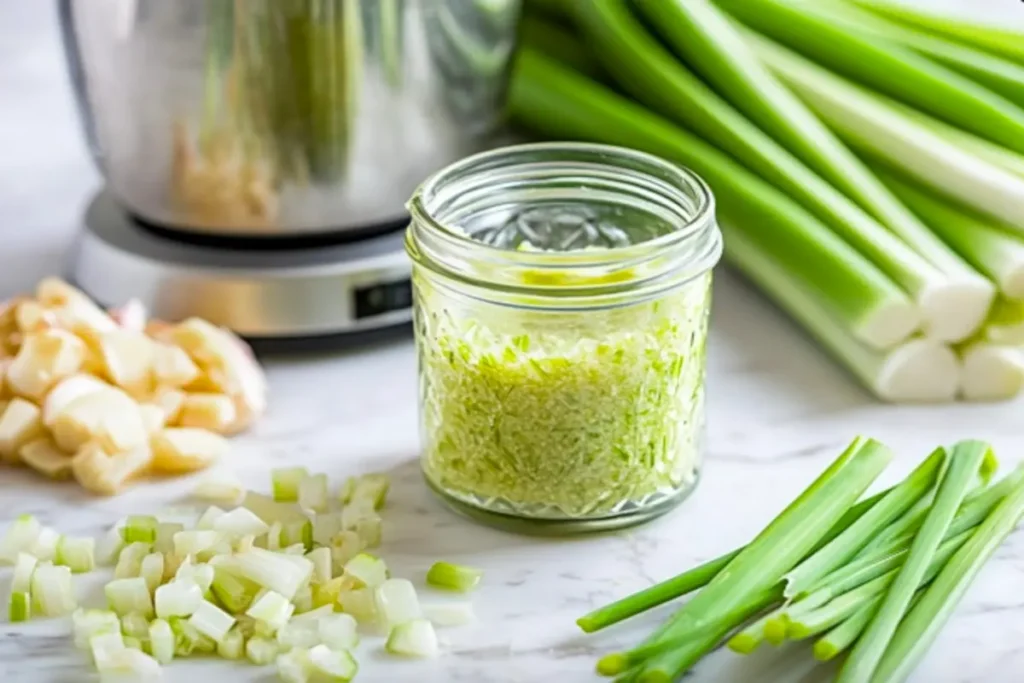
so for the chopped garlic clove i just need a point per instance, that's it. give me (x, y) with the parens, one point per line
(128, 360)
(44, 359)
(19, 424)
(215, 412)
(44, 457)
(106, 474)
(186, 449)
(109, 417)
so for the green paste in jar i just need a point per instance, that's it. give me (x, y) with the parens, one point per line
(565, 414)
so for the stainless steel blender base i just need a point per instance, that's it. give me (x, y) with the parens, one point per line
(280, 294)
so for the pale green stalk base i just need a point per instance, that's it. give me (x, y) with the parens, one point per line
(919, 371)
(990, 372)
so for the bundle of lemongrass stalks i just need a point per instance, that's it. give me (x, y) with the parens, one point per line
(873, 582)
(868, 163)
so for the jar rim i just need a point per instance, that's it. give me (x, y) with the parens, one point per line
(687, 180)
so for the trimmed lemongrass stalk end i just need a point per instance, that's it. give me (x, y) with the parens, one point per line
(954, 309)
(991, 372)
(920, 371)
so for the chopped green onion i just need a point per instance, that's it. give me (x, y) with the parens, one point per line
(296, 549)
(369, 529)
(372, 488)
(297, 532)
(966, 460)
(313, 493)
(361, 604)
(453, 577)
(347, 489)
(338, 631)
(128, 664)
(232, 645)
(413, 639)
(104, 646)
(195, 542)
(140, 529)
(325, 526)
(368, 570)
(178, 599)
(24, 566)
(78, 554)
(240, 522)
(344, 546)
(108, 549)
(202, 575)
(165, 536)
(397, 602)
(449, 614)
(152, 570)
(235, 593)
(93, 622)
(211, 621)
(188, 639)
(129, 562)
(128, 596)
(918, 630)
(273, 610)
(52, 591)
(313, 614)
(133, 643)
(845, 546)
(136, 626)
(261, 651)
(220, 489)
(294, 666)
(45, 547)
(20, 538)
(19, 607)
(208, 520)
(161, 641)
(331, 666)
(286, 482)
(304, 634)
(322, 564)
(303, 600)
(271, 511)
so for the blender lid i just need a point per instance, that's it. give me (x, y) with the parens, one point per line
(323, 291)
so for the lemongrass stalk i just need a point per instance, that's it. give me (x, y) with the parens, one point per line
(755, 633)
(776, 550)
(995, 250)
(807, 622)
(1001, 76)
(842, 637)
(655, 77)
(921, 626)
(709, 43)
(880, 128)
(965, 460)
(560, 103)
(845, 546)
(986, 150)
(140, 529)
(996, 40)
(559, 44)
(919, 371)
(884, 66)
(990, 372)
(1006, 323)
(698, 577)
(620, 662)
(285, 483)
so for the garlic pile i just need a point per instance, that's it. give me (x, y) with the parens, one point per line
(107, 397)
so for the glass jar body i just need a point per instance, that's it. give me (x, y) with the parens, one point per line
(595, 417)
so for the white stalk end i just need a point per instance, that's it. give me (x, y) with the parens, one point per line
(889, 324)
(955, 309)
(920, 371)
(991, 373)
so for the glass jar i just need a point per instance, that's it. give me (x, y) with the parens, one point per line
(562, 294)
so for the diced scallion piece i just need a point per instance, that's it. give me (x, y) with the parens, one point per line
(372, 488)
(187, 639)
(449, 614)
(195, 542)
(368, 570)
(233, 592)
(88, 623)
(211, 621)
(966, 460)
(20, 538)
(415, 638)
(285, 483)
(45, 547)
(78, 554)
(140, 529)
(129, 562)
(136, 626)
(52, 591)
(922, 624)
(303, 634)
(108, 549)
(19, 607)
(397, 601)
(294, 666)
(272, 609)
(330, 665)
(274, 571)
(24, 567)
(161, 641)
(240, 522)
(261, 651)
(208, 520)
(129, 596)
(232, 645)
(338, 631)
(178, 599)
(128, 664)
(322, 564)
(347, 489)
(313, 493)
(453, 577)
(361, 604)
(152, 570)
(220, 490)
(165, 532)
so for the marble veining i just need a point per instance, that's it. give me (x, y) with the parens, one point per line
(778, 412)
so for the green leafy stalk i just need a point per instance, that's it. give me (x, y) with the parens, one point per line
(920, 627)
(558, 43)
(966, 460)
(695, 578)
(887, 67)
(845, 546)
(842, 637)
(761, 565)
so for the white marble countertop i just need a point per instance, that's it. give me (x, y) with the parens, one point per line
(778, 412)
